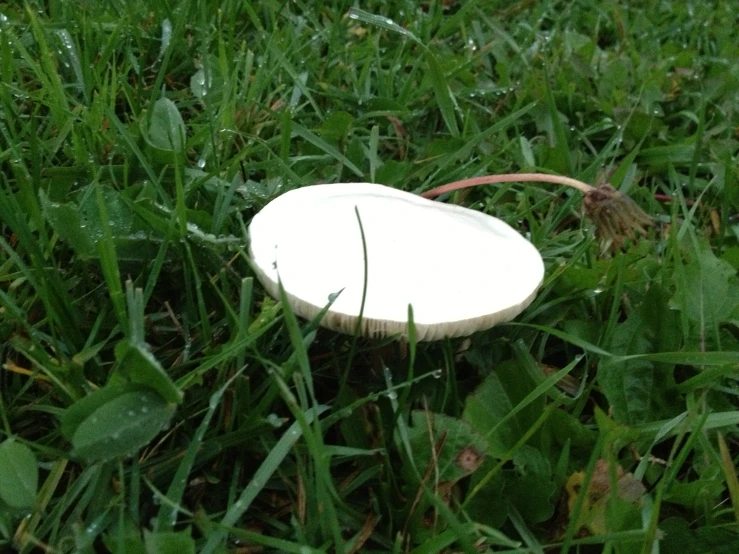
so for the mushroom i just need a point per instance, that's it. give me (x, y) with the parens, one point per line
(461, 270)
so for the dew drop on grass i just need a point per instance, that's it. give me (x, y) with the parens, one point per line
(274, 420)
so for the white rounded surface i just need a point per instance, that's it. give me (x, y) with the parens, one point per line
(461, 270)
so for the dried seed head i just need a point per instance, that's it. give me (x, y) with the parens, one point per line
(616, 216)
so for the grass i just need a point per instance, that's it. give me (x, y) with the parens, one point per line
(153, 398)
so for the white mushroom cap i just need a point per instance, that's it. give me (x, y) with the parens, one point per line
(461, 270)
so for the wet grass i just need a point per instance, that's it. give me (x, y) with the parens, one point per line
(154, 398)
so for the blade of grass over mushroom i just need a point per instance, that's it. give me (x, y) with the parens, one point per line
(358, 326)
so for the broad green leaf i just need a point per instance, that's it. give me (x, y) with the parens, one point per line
(494, 400)
(485, 407)
(169, 542)
(83, 408)
(70, 224)
(445, 449)
(166, 128)
(125, 536)
(530, 485)
(696, 495)
(638, 389)
(138, 365)
(336, 126)
(489, 505)
(5, 526)
(18, 474)
(681, 536)
(460, 449)
(81, 227)
(709, 292)
(120, 424)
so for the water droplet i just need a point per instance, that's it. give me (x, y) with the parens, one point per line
(166, 36)
(275, 421)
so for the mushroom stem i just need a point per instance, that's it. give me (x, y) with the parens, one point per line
(509, 178)
(616, 216)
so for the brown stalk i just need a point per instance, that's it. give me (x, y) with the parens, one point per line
(616, 216)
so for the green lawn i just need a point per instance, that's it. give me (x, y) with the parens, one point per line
(154, 399)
